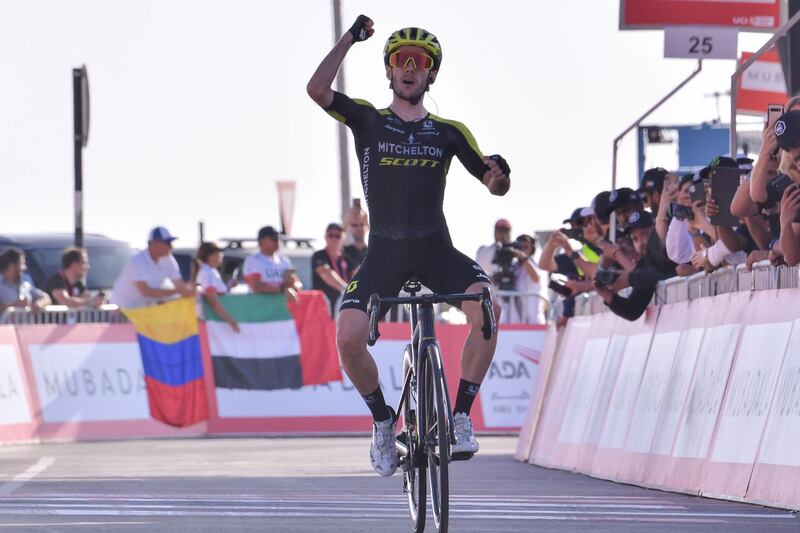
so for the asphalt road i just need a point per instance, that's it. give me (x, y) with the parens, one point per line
(324, 484)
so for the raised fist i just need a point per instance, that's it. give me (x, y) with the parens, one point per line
(361, 30)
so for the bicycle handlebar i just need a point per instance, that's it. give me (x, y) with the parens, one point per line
(484, 297)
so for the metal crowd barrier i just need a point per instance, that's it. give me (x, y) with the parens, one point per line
(61, 315)
(726, 280)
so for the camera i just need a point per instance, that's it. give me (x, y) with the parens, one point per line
(504, 257)
(604, 278)
(576, 234)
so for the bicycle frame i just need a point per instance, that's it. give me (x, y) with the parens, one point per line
(423, 335)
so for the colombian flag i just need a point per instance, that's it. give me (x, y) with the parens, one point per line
(171, 357)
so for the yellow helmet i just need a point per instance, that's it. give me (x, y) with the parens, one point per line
(414, 37)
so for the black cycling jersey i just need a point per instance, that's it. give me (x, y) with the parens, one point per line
(403, 165)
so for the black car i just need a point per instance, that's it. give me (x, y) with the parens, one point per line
(43, 252)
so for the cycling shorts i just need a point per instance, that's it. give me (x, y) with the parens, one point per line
(390, 263)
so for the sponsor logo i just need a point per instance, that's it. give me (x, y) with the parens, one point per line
(634, 218)
(392, 128)
(365, 173)
(528, 354)
(353, 286)
(410, 138)
(415, 150)
(780, 127)
(351, 301)
(405, 162)
(481, 275)
(613, 196)
(508, 370)
(427, 124)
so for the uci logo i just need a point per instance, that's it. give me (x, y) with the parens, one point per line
(352, 287)
(634, 218)
(780, 127)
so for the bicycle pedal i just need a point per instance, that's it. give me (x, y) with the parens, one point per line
(462, 456)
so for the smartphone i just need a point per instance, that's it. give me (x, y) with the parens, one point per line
(697, 191)
(773, 112)
(670, 181)
(723, 185)
(559, 289)
(681, 212)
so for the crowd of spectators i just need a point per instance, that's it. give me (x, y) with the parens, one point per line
(734, 211)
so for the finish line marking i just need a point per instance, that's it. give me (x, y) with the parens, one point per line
(32, 471)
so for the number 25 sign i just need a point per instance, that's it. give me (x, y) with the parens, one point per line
(706, 42)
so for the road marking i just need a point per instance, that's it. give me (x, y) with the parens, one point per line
(32, 471)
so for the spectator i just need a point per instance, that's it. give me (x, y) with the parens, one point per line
(268, 272)
(65, 287)
(205, 276)
(528, 308)
(687, 230)
(652, 187)
(331, 270)
(485, 256)
(622, 202)
(787, 132)
(151, 275)
(15, 290)
(357, 227)
(653, 267)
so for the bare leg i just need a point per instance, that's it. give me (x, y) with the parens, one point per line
(478, 353)
(352, 330)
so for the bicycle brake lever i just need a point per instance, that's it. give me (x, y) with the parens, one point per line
(373, 310)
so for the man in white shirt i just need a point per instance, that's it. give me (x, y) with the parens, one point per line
(151, 275)
(269, 272)
(485, 255)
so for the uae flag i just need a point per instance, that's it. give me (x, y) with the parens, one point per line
(269, 353)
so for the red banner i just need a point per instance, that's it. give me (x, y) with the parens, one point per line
(761, 84)
(755, 15)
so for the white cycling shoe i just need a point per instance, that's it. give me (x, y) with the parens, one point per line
(382, 452)
(466, 443)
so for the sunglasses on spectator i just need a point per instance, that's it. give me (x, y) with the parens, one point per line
(418, 60)
(333, 236)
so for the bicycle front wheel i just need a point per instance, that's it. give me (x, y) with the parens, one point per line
(415, 462)
(437, 437)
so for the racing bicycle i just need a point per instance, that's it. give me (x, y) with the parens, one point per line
(426, 437)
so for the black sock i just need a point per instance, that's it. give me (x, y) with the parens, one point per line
(466, 395)
(377, 405)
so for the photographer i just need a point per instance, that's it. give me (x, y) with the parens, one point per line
(653, 267)
(528, 307)
(486, 255)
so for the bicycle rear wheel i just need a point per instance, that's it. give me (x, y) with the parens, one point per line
(415, 462)
(437, 438)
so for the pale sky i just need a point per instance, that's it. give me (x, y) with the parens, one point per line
(199, 107)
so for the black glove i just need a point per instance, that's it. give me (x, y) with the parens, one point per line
(359, 31)
(502, 164)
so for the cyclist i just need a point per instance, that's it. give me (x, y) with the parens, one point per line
(404, 153)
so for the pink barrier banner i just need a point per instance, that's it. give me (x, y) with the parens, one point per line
(338, 408)
(17, 420)
(554, 405)
(530, 422)
(89, 383)
(580, 401)
(663, 390)
(610, 456)
(702, 397)
(751, 387)
(776, 475)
